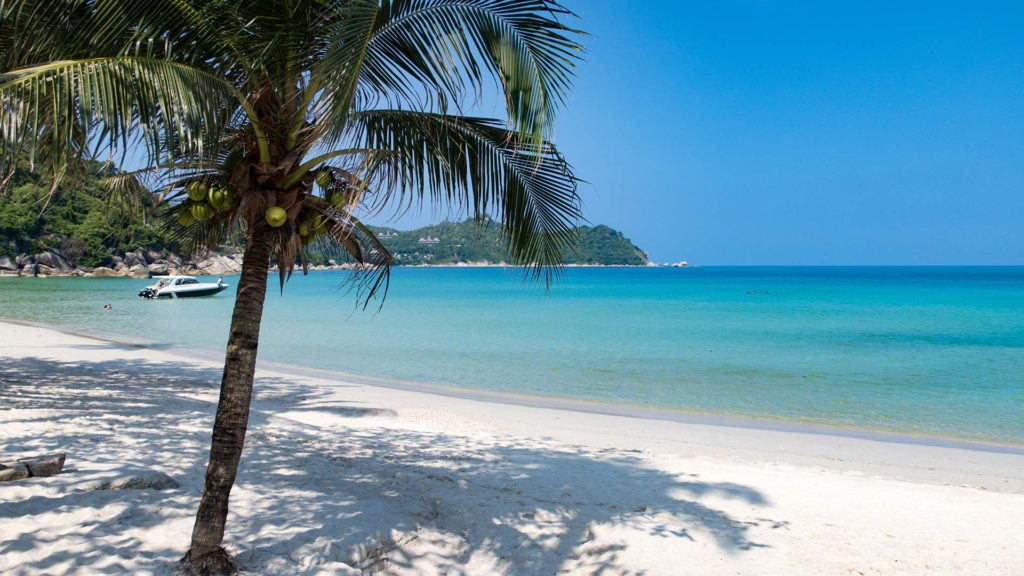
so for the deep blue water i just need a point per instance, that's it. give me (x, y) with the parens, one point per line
(935, 351)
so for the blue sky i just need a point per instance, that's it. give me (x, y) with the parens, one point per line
(771, 132)
(759, 132)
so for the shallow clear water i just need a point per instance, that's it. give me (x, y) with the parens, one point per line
(936, 351)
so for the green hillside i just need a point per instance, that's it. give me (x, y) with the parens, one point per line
(475, 241)
(78, 225)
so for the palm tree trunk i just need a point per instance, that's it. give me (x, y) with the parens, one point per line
(206, 556)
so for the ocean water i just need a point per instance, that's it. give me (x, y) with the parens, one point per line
(930, 351)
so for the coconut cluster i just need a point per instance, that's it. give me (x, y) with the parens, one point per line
(204, 201)
(309, 223)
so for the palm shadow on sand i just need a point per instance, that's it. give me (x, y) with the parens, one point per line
(380, 498)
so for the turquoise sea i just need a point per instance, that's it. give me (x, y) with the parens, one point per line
(921, 350)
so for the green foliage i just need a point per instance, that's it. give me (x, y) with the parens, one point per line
(76, 220)
(604, 245)
(482, 241)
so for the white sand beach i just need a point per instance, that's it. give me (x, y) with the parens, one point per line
(347, 478)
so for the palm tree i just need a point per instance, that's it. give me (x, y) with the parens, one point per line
(288, 120)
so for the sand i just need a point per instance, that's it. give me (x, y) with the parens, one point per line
(343, 477)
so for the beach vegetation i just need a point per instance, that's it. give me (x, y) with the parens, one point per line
(82, 226)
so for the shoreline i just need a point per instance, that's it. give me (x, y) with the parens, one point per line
(339, 473)
(597, 407)
(140, 274)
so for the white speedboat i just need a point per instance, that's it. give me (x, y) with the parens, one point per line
(181, 287)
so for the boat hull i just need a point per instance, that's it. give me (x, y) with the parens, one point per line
(197, 293)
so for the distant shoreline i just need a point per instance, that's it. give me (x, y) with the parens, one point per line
(77, 272)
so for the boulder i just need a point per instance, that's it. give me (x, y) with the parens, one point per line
(215, 265)
(174, 259)
(53, 260)
(25, 260)
(152, 256)
(138, 271)
(158, 268)
(45, 465)
(43, 270)
(103, 271)
(6, 263)
(13, 471)
(133, 259)
(137, 480)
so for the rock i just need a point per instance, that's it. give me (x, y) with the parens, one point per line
(158, 268)
(120, 267)
(103, 271)
(133, 259)
(13, 471)
(45, 465)
(215, 265)
(139, 480)
(138, 271)
(152, 256)
(24, 261)
(43, 270)
(174, 259)
(53, 260)
(7, 264)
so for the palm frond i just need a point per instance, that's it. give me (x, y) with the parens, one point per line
(67, 101)
(442, 47)
(479, 166)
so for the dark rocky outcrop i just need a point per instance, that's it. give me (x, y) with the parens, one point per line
(54, 260)
(137, 263)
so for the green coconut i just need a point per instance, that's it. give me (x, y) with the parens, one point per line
(338, 198)
(185, 217)
(215, 196)
(276, 216)
(202, 211)
(304, 229)
(221, 199)
(324, 179)
(196, 191)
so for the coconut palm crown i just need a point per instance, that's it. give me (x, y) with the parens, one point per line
(291, 120)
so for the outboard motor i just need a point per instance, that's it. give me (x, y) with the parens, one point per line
(147, 293)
